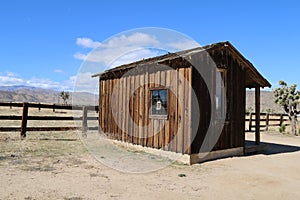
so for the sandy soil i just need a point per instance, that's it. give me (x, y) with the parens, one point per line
(56, 166)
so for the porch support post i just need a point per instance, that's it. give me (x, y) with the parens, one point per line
(257, 115)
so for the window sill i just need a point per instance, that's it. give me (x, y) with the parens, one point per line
(158, 116)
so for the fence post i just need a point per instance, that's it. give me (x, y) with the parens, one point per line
(24, 120)
(250, 121)
(84, 127)
(281, 120)
(267, 122)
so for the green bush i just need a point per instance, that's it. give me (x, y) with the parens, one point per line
(249, 110)
(269, 110)
(282, 128)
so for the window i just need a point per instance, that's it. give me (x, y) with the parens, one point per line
(159, 102)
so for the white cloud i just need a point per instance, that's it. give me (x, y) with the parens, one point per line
(136, 39)
(87, 43)
(11, 79)
(117, 47)
(124, 49)
(137, 54)
(183, 44)
(80, 56)
(58, 71)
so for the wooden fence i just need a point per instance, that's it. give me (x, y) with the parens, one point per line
(24, 118)
(266, 120)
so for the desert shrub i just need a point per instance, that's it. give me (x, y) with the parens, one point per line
(249, 109)
(269, 110)
(181, 175)
(282, 128)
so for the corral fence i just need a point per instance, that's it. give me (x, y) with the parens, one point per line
(267, 120)
(25, 117)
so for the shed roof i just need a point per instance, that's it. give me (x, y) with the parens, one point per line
(253, 77)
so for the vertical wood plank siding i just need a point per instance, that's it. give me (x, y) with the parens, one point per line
(171, 133)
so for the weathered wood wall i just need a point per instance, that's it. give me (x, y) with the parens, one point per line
(171, 133)
(232, 134)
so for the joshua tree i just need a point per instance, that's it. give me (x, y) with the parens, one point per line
(288, 98)
(65, 96)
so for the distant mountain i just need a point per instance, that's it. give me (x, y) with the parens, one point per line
(23, 93)
(16, 87)
(266, 101)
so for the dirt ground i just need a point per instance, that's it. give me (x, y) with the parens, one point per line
(55, 165)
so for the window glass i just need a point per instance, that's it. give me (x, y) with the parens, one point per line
(159, 102)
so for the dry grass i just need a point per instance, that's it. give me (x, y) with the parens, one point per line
(40, 151)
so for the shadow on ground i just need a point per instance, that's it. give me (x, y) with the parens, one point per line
(273, 148)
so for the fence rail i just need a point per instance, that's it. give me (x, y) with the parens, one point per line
(266, 120)
(25, 117)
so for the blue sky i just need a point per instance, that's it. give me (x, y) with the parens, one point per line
(43, 43)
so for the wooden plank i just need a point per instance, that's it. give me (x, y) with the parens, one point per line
(141, 108)
(11, 104)
(123, 107)
(11, 129)
(281, 120)
(120, 107)
(132, 80)
(174, 109)
(146, 107)
(180, 114)
(250, 121)
(103, 108)
(156, 133)
(150, 139)
(24, 120)
(127, 107)
(187, 92)
(136, 108)
(257, 117)
(156, 122)
(115, 109)
(161, 133)
(10, 117)
(51, 128)
(58, 118)
(84, 125)
(162, 121)
(106, 108)
(109, 109)
(47, 106)
(167, 125)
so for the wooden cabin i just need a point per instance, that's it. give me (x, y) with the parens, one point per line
(145, 103)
